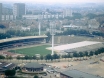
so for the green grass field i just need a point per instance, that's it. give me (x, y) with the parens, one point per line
(33, 50)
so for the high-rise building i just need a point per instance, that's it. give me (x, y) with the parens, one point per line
(7, 11)
(0, 12)
(67, 12)
(18, 10)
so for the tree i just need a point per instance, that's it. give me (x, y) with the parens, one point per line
(86, 54)
(48, 57)
(55, 56)
(34, 57)
(91, 15)
(37, 58)
(10, 72)
(81, 54)
(10, 58)
(77, 16)
(26, 58)
(69, 56)
(64, 56)
(41, 57)
(91, 53)
(2, 26)
(2, 57)
(75, 54)
(36, 76)
(49, 36)
(18, 57)
(96, 52)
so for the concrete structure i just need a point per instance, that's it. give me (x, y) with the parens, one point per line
(76, 74)
(33, 67)
(0, 12)
(18, 10)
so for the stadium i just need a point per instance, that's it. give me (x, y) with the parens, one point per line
(62, 44)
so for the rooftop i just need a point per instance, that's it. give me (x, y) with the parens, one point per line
(5, 65)
(33, 65)
(78, 74)
(21, 38)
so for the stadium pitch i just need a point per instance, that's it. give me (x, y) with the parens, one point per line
(31, 51)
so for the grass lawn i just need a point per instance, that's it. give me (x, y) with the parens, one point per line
(33, 50)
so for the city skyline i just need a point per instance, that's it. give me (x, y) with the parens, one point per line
(54, 1)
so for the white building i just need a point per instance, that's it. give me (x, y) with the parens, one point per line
(45, 16)
(7, 17)
(30, 16)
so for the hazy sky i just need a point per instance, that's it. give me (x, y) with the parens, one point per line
(53, 1)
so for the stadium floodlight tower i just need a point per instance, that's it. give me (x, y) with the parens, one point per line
(52, 32)
(39, 28)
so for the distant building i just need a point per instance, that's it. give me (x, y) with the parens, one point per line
(18, 10)
(71, 26)
(67, 12)
(93, 24)
(7, 11)
(6, 66)
(43, 16)
(0, 11)
(7, 17)
(76, 74)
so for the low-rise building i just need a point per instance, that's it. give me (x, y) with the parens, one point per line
(6, 66)
(33, 67)
(76, 74)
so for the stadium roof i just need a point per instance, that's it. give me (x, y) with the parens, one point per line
(78, 74)
(21, 38)
(33, 65)
(7, 65)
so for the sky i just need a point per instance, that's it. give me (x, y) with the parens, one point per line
(54, 1)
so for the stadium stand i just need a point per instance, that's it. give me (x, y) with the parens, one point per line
(67, 39)
(20, 41)
(73, 39)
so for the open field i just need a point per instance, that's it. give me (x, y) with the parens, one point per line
(33, 50)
